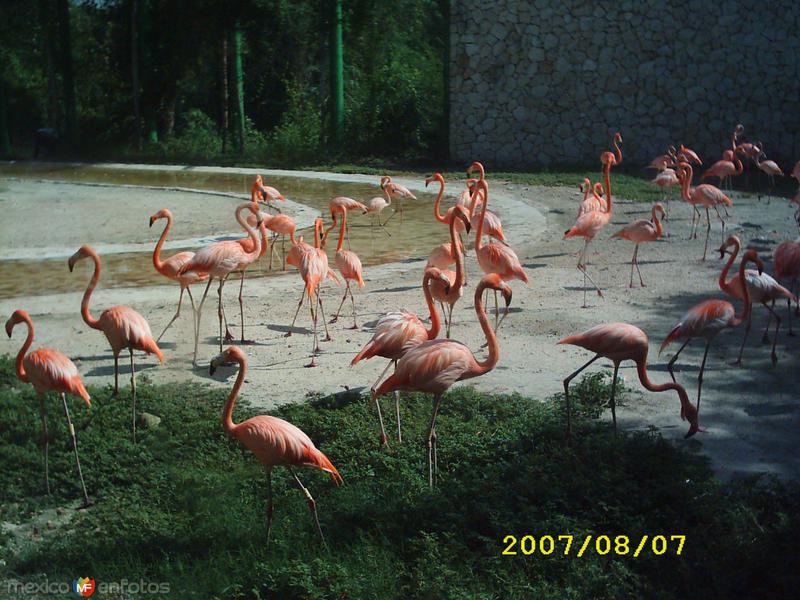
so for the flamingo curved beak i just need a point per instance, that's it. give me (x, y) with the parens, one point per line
(152, 220)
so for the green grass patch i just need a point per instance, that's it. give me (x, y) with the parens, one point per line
(186, 505)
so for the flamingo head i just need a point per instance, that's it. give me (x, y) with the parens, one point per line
(752, 256)
(495, 282)
(434, 273)
(82, 253)
(162, 214)
(585, 185)
(728, 155)
(259, 179)
(475, 166)
(689, 413)
(460, 212)
(18, 316)
(385, 180)
(659, 208)
(618, 137)
(731, 242)
(738, 130)
(435, 177)
(229, 356)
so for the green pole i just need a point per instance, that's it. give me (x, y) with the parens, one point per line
(5, 140)
(337, 75)
(239, 76)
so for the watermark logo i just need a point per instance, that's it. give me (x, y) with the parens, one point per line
(83, 586)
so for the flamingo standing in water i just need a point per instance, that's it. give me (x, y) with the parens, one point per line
(451, 292)
(349, 266)
(590, 224)
(274, 442)
(397, 332)
(340, 205)
(395, 191)
(705, 195)
(762, 288)
(169, 268)
(707, 319)
(123, 327)
(48, 370)
(374, 208)
(433, 366)
(219, 260)
(265, 193)
(639, 232)
(496, 258)
(281, 225)
(618, 342)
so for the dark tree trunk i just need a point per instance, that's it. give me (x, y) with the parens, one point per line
(52, 117)
(239, 87)
(5, 140)
(135, 85)
(67, 78)
(336, 74)
(224, 90)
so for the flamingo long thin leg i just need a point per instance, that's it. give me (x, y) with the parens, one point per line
(241, 304)
(672, 360)
(43, 413)
(116, 374)
(700, 377)
(353, 302)
(638, 269)
(335, 317)
(172, 320)
(437, 399)
(708, 231)
(299, 305)
(133, 393)
(324, 322)
(311, 504)
(397, 412)
(384, 438)
(738, 362)
(219, 312)
(315, 348)
(197, 328)
(771, 309)
(633, 260)
(194, 308)
(75, 447)
(566, 394)
(270, 507)
(613, 401)
(716, 208)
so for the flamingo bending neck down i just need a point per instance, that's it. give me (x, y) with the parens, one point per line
(123, 327)
(49, 370)
(350, 267)
(396, 333)
(219, 260)
(265, 193)
(281, 225)
(707, 319)
(618, 342)
(169, 268)
(762, 288)
(433, 366)
(274, 442)
(639, 232)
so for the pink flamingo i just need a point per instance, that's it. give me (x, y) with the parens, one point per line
(265, 193)
(496, 258)
(639, 232)
(339, 206)
(786, 261)
(395, 191)
(664, 159)
(374, 208)
(596, 202)
(397, 332)
(281, 225)
(618, 342)
(729, 166)
(707, 319)
(349, 266)
(690, 154)
(465, 196)
(122, 326)
(219, 260)
(667, 178)
(451, 292)
(705, 195)
(771, 168)
(433, 366)
(444, 255)
(274, 442)
(169, 268)
(613, 158)
(590, 224)
(796, 171)
(762, 288)
(48, 370)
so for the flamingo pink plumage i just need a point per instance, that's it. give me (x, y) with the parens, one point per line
(786, 263)
(219, 260)
(396, 333)
(123, 327)
(618, 342)
(705, 195)
(264, 193)
(762, 288)
(49, 370)
(397, 192)
(349, 266)
(340, 205)
(729, 166)
(451, 292)
(281, 225)
(273, 441)
(374, 208)
(639, 232)
(169, 268)
(707, 319)
(433, 366)
(689, 154)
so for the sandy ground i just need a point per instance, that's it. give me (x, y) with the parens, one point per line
(751, 413)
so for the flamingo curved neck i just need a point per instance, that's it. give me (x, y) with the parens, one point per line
(436, 205)
(657, 223)
(607, 177)
(644, 379)
(252, 234)
(227, 412)
(724, 284)
(491, 339)
(342, 229)
(456, 249)
(687, 181)
(483, 186)
(617, 151)
(746, 292)
(18, 364)
(436, 325)
(157, 263)
(87, 317)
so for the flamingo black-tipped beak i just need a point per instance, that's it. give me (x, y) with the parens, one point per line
(71, 262)
(507, 295)
(152, 220)
(468, 226)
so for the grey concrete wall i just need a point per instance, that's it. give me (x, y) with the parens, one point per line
(545, 83)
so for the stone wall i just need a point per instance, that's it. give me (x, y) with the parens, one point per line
(546, 83)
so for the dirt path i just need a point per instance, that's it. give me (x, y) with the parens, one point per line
(751, 413)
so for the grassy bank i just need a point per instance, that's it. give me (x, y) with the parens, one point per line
(186, 505)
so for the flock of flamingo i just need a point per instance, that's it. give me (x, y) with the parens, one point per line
(421, 361)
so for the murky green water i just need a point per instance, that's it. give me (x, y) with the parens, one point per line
(413, 237)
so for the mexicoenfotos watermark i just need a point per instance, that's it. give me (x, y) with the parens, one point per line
(81, 587)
